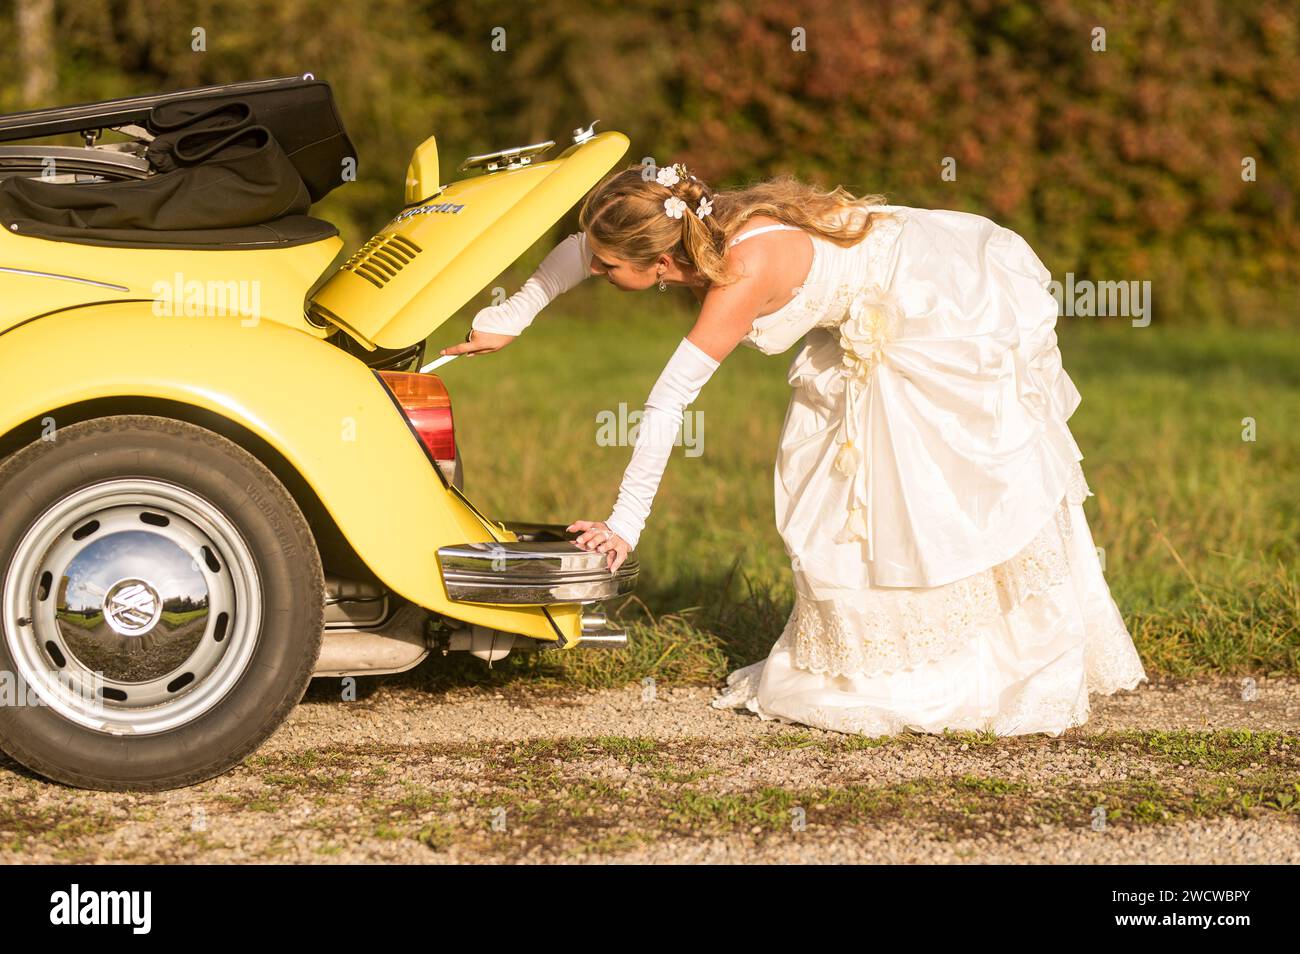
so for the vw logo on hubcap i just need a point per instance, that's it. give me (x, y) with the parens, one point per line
(132, 607)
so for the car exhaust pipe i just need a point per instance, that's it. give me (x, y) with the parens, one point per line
(607, 639)
(598, 634)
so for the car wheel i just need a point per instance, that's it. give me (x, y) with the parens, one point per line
(161, 607)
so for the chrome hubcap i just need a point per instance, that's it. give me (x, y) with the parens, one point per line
(132, 606)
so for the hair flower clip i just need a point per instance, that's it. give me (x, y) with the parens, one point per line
(669, 176)
(706, 206)
(674, 207)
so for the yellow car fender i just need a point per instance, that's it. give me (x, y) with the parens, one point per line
(40, 276)
(321, 409)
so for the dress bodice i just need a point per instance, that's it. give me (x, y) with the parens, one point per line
(836, 275)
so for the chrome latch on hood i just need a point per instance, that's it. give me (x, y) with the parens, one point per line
(513, 158)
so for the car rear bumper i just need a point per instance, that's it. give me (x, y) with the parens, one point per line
(543, 567)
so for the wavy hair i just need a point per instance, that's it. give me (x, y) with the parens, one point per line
(625, 214)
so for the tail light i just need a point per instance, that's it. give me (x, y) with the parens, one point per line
(426, 405)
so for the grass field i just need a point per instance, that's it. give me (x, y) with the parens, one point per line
(1200, 527)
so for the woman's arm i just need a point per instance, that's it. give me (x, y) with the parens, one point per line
(677, 386)
(497, 325)
(725, 319)
(728, 312)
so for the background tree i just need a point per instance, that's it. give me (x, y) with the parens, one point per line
(1122, 163)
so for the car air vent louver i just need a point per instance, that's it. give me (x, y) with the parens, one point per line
(380, 259)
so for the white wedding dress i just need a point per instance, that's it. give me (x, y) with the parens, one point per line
(945, 576)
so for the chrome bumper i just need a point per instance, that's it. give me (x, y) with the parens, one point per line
(544, 566)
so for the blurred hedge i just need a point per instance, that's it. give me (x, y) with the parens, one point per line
(1122, 164)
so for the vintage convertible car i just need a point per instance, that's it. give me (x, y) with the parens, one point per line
(221, 470)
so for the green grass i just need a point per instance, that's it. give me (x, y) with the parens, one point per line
(82, 622)
(1199, 527)
(176, 619)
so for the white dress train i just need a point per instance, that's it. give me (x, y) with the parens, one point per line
(929, 494)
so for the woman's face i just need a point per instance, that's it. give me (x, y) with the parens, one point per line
(621, 273)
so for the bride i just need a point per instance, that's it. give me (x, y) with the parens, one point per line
(928, 489)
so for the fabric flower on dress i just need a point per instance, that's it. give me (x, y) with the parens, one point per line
(873, 319)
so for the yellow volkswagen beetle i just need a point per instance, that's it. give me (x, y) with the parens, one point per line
(221, 470)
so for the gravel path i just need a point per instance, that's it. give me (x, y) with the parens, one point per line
(1176, 771)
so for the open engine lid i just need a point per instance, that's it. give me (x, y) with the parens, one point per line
(438, 253)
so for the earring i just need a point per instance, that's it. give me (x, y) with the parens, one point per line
(662, 285)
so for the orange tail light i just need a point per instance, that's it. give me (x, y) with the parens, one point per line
(426, 405)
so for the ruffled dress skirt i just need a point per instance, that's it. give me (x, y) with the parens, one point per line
(1013, 650)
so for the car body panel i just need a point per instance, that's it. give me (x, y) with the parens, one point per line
(323, 410)
(434, 256)
(40, 276)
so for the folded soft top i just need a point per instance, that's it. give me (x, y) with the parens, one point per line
(299, 112)
(221, 159)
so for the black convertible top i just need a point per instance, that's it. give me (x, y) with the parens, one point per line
(222, 159)
(299, 112)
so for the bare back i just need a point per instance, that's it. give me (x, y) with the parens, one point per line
(770, 269)
(777, 261)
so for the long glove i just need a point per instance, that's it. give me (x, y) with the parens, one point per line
(679, 384)
(564, 267)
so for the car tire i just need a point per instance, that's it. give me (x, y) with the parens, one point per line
(161, 599)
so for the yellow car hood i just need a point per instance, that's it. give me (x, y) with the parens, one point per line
(438, 253)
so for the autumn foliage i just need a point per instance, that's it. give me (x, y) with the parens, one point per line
(1171, 155)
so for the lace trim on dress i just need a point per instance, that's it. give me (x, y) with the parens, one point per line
(1111, 663)
(1111, 660)
(892, 629)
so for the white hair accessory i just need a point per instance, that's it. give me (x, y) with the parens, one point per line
(674, 207)
(669, 176)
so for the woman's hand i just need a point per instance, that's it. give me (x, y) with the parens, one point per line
(480, 342)
(597, 536)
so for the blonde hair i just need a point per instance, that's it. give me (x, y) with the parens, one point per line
(625, 214)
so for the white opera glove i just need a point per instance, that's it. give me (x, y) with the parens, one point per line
(678, 385)
(564, 267)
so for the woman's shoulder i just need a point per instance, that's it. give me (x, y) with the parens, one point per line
(778, 233)
(757, 221)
